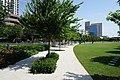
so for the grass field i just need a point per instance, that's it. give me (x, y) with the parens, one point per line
(101, 60)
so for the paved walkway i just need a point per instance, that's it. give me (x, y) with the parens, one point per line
(68, 68)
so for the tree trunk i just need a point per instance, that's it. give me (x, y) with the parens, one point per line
(32, 37)
(48, 50)
(59, 45)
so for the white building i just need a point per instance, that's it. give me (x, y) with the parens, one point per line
(13, 5)
(84, 32)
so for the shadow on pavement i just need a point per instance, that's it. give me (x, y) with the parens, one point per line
(56, 50)
(26, 63)
(73, 76)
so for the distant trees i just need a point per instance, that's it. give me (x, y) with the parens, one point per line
(11, 31)
(89, 38)
(50, 18)
(8, 31)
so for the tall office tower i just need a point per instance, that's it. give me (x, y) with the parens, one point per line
(13, 6)
(87, 24)
(94, 29)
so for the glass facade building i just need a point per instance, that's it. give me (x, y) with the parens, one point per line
(94, 29)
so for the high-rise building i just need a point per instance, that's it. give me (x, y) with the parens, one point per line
(13, 6)
(94, 29)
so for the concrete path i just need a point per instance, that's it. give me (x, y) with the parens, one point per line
(68, 68)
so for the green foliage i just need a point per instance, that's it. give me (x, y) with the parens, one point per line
(50, 17)
(118, 2)
(106, 38)
(31, 52)
(88, 38)
(115, 17)
(1, 46)
(37, 47)
(8, 57)
(11, 32)
(55, 56)
(17, 53)
(45, 65)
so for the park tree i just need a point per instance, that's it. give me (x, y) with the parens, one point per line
(50, 17)
(11, 31)
(115, 17)
(118, 2)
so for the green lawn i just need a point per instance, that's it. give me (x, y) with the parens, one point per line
(95, 58)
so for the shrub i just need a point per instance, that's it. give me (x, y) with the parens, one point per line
(55, 56)
(38, 47)
(46, 46)
(20, 54)
(17, 53)
(8, 57)
(2, 62)
(31, 52)
(45, 65)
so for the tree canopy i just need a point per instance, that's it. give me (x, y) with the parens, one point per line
(50, 17)
(115, 17)
(118, 2)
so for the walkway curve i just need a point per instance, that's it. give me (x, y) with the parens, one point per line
(68, 68)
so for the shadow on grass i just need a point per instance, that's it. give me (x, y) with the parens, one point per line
(117, 51)
(103, 77)
(106, 59)
(118, 48)
(74, 76)
(113, 52)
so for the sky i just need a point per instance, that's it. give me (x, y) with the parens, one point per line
(95, 11)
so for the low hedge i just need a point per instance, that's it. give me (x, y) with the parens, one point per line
(54, 56)
(9, 57)
(38, 47)
(17, 53)
(45, 65)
